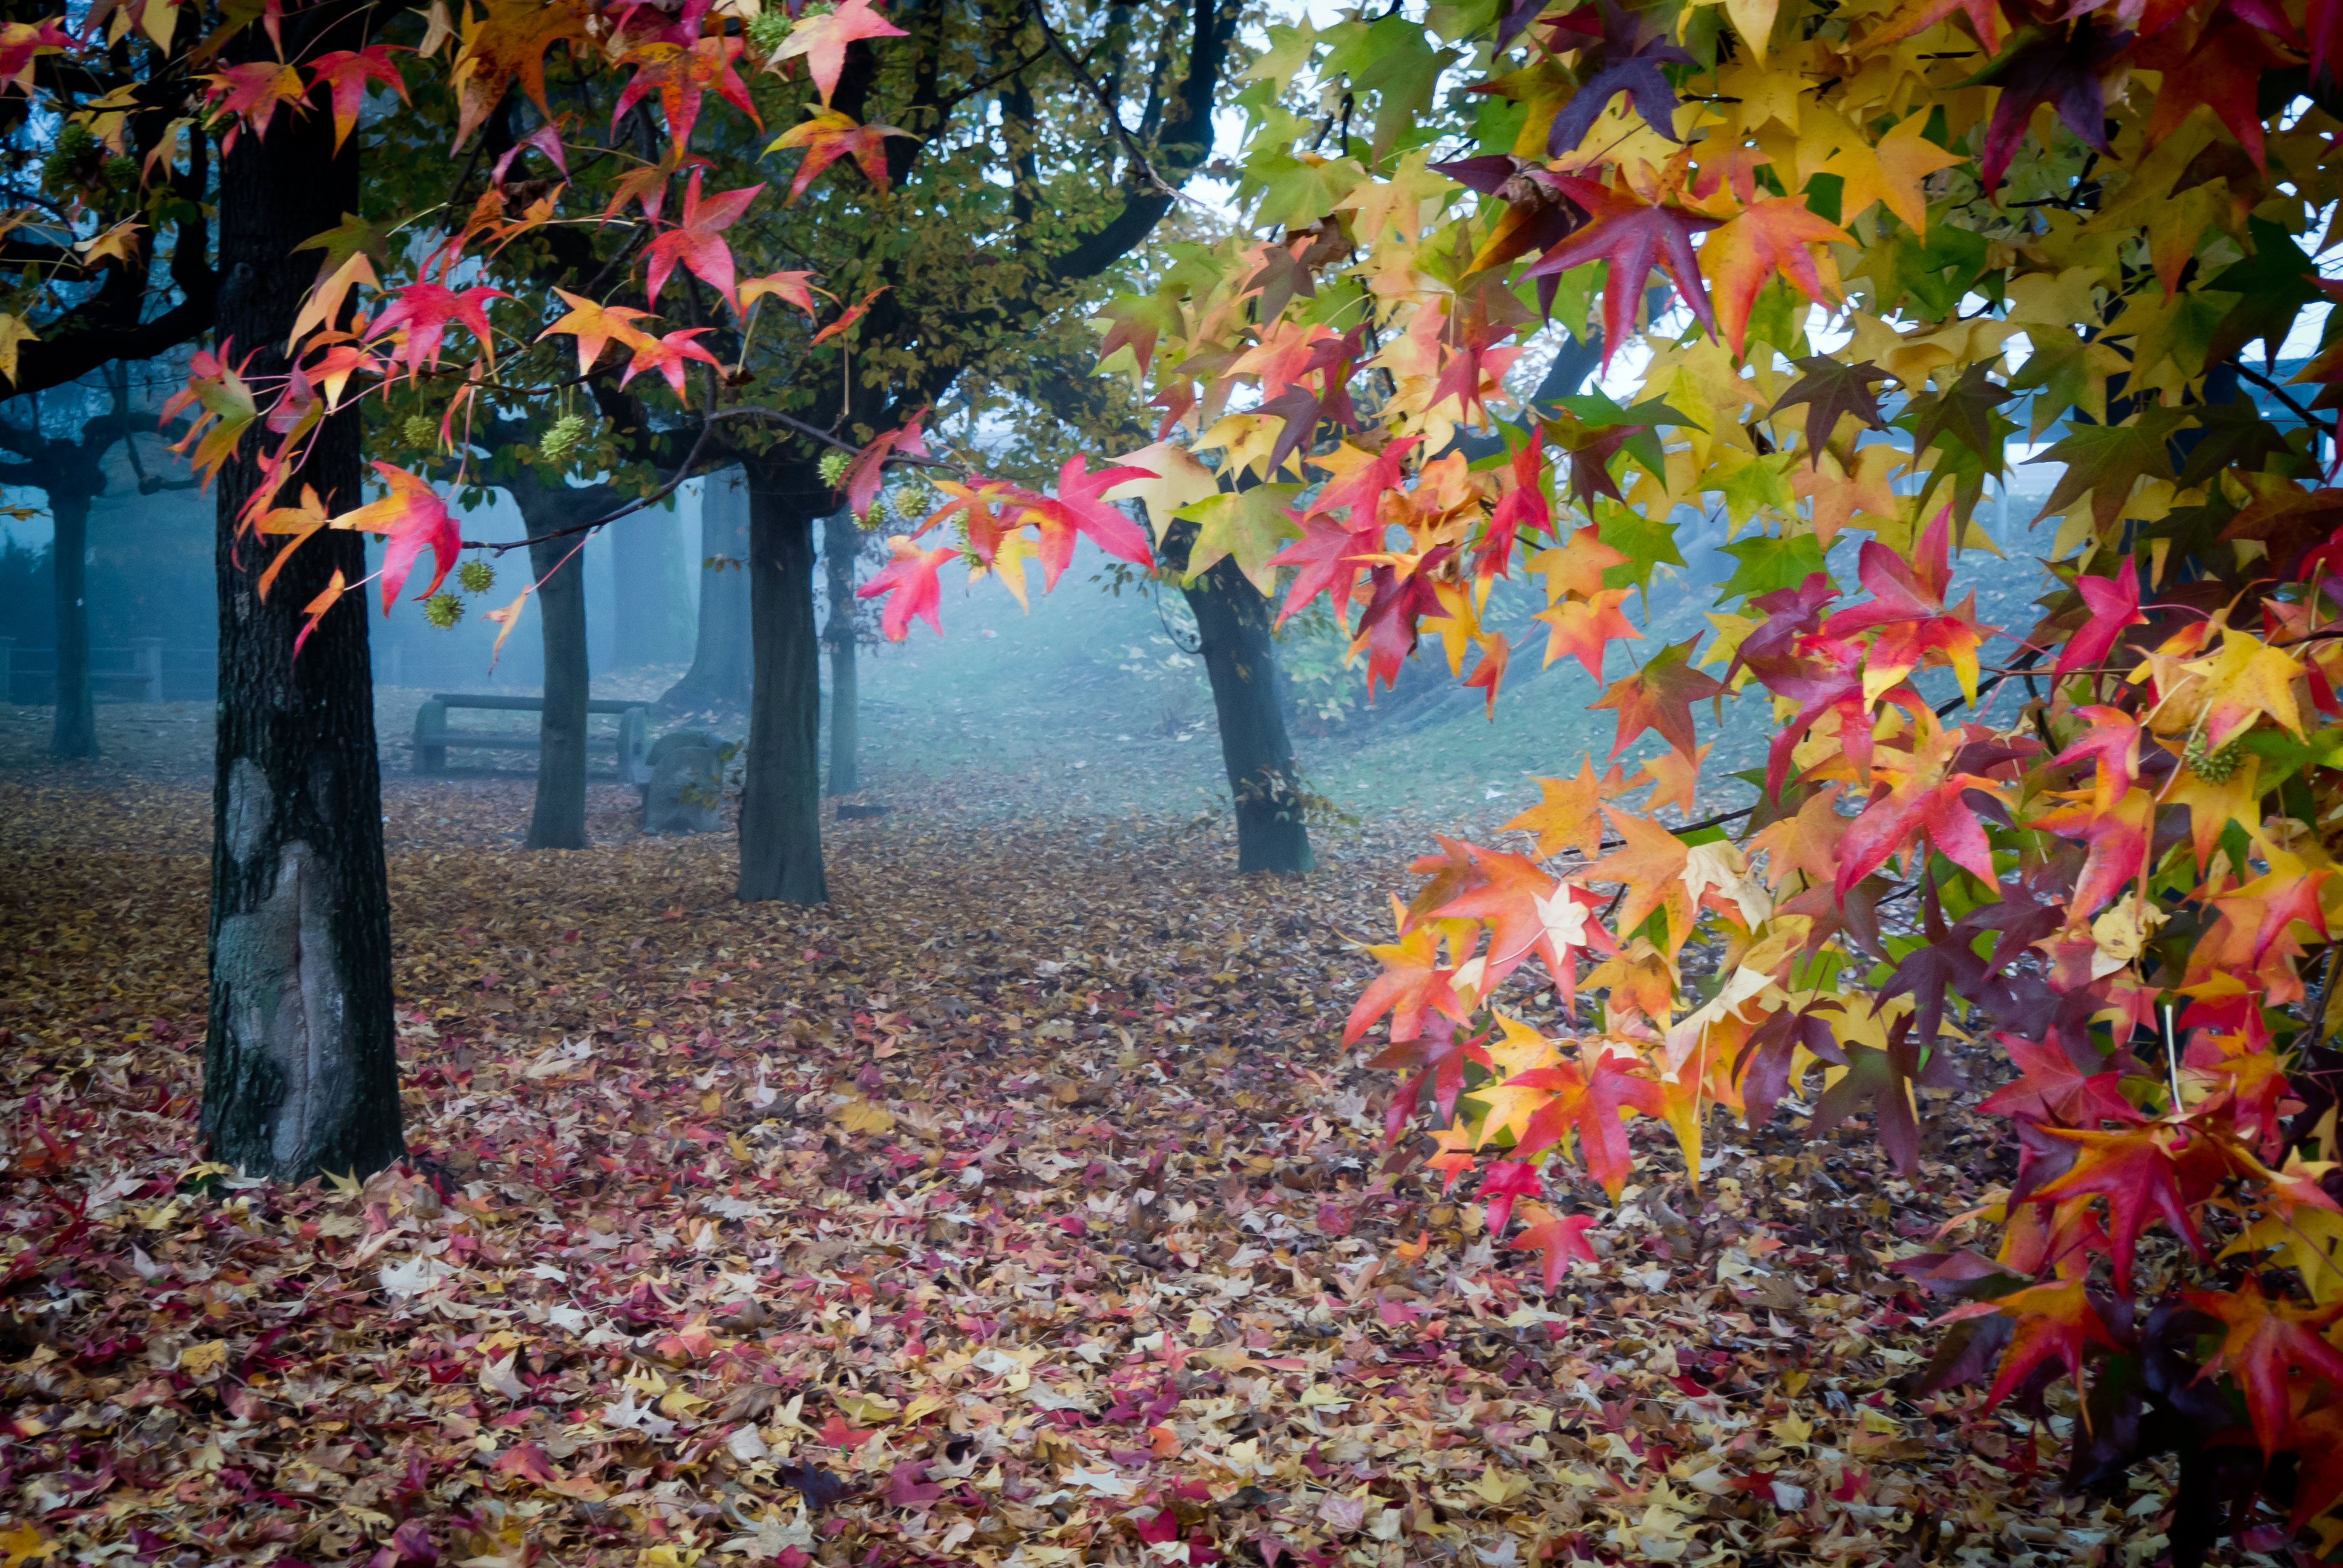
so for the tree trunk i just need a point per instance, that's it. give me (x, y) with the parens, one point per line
(720, 673)
(300, 1069)
(1233, 623)
(841, 545)
(651, 618)
(780, 796)
(76, 734)
(558, 821)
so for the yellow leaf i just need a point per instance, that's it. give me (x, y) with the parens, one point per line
(1753, 20)
(1179, 481)
(862, 1116)
(200, 1361)
(2246, 677)
(1890, 173)
(25, 1543)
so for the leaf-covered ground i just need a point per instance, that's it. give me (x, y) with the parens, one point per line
(1020, 1207)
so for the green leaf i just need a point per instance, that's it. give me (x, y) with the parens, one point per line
(2106, 460)
(1766, 563)
(1250, 525)
(1646, 542)
(2272, 285)
(1296, 192)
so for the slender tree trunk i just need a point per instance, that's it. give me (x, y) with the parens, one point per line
(300, 1069)
(77, 728)
(1240, 656)
(558, 821)
(651, 618)
(720, 663)
(781, 798)
(841, 545)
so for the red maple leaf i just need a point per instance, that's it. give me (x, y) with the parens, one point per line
(1077, 508)
(423, 311)
(1386, 631)
(1660, 696)
(1630, 239)
(1927, 799)
(693, 243)
(864, 474)
(2140, 1170)
(1772, 237)
(909, 586)
(2050, 1088)
(2120, 832)
(1326, 559)
(1506, 900)
(1907, 613)
(344, 73)
(1557, 1239)
(2221, 66)
(1411, 984)
(2265, 1344)
(2113, 604)
(1589, 1100)
(2053, 1320)
(1359, 493)
(409, 518)
(1524, 504)
(1504, 1182)
(250, 93)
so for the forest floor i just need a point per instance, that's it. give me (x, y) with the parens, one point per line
(1019, 1207)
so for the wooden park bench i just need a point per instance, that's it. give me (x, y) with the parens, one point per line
(630, 742)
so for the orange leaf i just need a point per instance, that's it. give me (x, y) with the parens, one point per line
(1771, 239)
(829, 137)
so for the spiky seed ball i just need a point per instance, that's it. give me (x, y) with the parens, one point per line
(833, 468)
(477, 577)
(769, 31)
(122, 174)
(443, 609)
(420, 431)
(561, 438)
(2213, 767)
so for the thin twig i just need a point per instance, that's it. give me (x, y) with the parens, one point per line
(682, 473)
(2280, 393)
(1106, 106)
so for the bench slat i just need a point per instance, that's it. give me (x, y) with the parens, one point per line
(527, 704)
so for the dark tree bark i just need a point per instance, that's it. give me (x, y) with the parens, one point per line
(780, 802)
(71, 471)
(720, 663)
(300, 1069)
(1234, 621)
(841, 546)
(76, 734)
(651, 613)
(558, 819)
